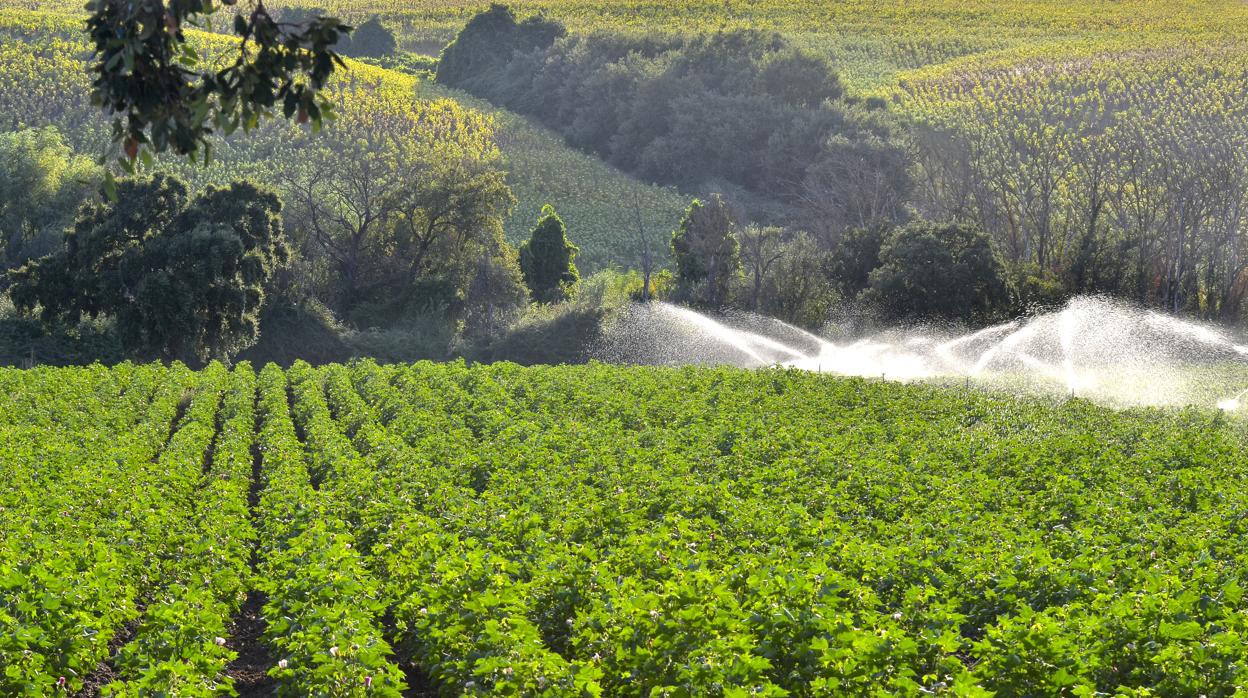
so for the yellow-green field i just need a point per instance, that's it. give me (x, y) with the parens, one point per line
(871, 40)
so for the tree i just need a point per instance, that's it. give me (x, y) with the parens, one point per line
(385, 204)
(855, 257)
(799, 79)
(547, 259)
(644, 248)
(800, 289)
(147, 74)
(371, 40)
(41, 185)
(761, 249)
(183, 278)
(488, 42)
(859, 182)
(939, 271)
(494, 297)
(707, 254)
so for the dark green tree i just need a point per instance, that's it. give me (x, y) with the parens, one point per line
(165, 96)
(857, 254)
(707, 253)
(548, 259)
(489, 41)
(939, 271)
(370, 40)
(184, 278)
(798, 78)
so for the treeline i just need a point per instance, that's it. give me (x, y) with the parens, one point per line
(743, 112)
(1125, 176)
(387, 225)
(919, 271)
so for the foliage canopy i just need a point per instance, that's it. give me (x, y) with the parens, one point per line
(547, 259)
(183, 277)
(148, 75)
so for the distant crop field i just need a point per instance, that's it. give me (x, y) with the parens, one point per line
(871, 39)
(595, 530)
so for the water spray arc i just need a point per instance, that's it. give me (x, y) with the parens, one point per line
(1092, 347)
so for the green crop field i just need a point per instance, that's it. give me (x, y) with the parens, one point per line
(592, 530)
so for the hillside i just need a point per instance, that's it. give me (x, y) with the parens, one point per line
(945, 65)
(873, 40)
(42, 82)
(595, 530)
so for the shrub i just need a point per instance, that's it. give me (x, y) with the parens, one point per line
(939, 271)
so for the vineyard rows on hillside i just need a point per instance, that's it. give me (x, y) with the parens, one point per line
(874, 40)
(594, 530)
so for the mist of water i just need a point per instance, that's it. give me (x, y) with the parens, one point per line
(1093, 348)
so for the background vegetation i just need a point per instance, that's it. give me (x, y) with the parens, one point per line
(1096, 147)
(42, 83)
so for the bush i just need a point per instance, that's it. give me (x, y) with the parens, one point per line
(856, 256)
(800, 290)
(561, 333)
(939, 271)
(1037, 290)
(292, 329)
(370, 40)
(25, 341)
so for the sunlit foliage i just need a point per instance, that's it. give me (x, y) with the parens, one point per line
(43, 81)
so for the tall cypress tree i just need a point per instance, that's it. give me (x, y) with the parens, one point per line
(547, 260)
